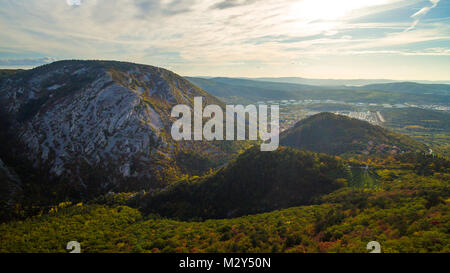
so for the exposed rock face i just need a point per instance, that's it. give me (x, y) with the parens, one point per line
(109, 115)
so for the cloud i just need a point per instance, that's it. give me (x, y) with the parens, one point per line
(225, 4)
(178, 6)
(201, 36)
(148, 8)
(421, 13)
(28, 62)
(73, 2)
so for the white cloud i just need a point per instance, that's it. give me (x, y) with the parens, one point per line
(27, 62)
(192, 34)
(422, 12)
(73, 2)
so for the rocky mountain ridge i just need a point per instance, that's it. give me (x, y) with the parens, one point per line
(75, 117)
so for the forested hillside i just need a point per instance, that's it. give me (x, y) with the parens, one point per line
(236, 90)
(340, 135)
(412, 88)
(409, 211)
(253, 183)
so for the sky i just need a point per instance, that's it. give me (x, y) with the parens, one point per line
(345, 39)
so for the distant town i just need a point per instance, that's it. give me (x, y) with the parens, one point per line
(436, 107)
(291, 111)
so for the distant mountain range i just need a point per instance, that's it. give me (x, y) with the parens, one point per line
(412, 88)
(327, 82)
(249, 91)
(238, 90)
(323, 82)
(338, 82)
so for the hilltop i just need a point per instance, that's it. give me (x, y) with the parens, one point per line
(340, 135)
(253, 183)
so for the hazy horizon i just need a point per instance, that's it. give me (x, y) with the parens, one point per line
(418, 80)
(400, 40)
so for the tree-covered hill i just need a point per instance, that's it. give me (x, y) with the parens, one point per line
(253, 183)
(408, 212)
(9, 72)
(238, 90)
(340, 135)
(411, 88)
(233, 92)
